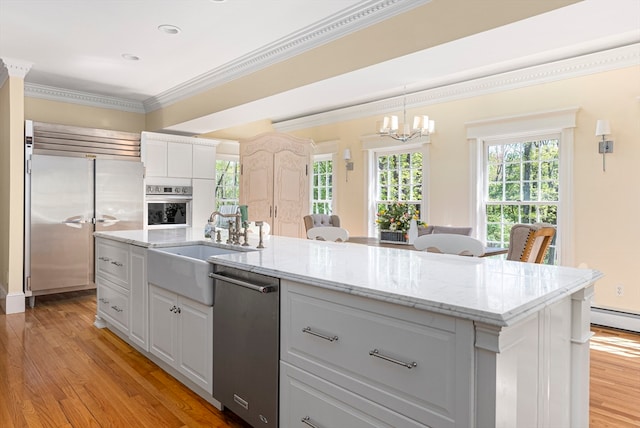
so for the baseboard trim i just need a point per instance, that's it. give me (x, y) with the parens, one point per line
(615, 319)
(13, 303)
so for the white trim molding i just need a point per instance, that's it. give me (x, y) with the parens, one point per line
(615, 318)
(560, 122)
(50, 93)
(13, 68)
(12, 303)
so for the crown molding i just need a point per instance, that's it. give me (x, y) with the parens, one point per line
(348, 21)
(10, 67)
(467, 87)
(50, 93)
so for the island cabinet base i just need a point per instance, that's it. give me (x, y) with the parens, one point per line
(353, 361)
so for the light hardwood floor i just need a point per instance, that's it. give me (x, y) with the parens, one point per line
(58, 370)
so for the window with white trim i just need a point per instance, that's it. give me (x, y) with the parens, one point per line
(522, 182)
(227, 182)
(399, 178)
(322, 188)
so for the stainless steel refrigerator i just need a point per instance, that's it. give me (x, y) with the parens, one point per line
(77, 181)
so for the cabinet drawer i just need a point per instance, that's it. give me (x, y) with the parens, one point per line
(308, 401)
(113, 304)
(112, 262)
(408, 360)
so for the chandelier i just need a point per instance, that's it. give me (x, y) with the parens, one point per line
(422, 126)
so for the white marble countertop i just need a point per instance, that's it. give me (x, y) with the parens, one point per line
(488, 289)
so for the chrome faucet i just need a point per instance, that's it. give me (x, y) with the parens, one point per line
(234, 229)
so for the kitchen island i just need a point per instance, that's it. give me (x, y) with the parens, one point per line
(419, 339)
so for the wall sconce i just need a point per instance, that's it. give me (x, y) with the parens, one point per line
(346, 155)
(604, 146)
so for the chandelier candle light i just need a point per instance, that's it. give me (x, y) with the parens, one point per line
(422, 126)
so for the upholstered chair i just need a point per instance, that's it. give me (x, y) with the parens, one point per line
(321, 220)
(456, 230)
(530, 242)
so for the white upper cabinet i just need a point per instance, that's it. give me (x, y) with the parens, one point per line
(204, 161)
(174, 156)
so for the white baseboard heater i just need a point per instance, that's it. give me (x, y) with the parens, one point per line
(615, 319)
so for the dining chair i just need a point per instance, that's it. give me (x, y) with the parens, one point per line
(450, 243)
(530, 242)
(328, 234)
(321, 220)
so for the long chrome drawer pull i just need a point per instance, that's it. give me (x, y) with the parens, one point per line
(322, 336)
(307, 420)
(258, 288)
(377, 354)
(117, 264)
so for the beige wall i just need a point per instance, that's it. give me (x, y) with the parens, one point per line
(11, 185)
(606, 204)
(78, 115)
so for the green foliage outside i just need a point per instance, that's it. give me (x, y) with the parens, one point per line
(322, 187)
(522, 187)
(227, 183)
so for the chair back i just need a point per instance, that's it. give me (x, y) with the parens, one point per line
(449, 243)
(320, 220)
(328, 234)
(530, 242)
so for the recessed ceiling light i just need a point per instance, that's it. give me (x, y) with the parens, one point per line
(218, 1)
(169, 29)
(131, 57)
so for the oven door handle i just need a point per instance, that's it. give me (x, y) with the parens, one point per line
(259, 288)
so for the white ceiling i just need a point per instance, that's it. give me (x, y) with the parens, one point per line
(77, 45)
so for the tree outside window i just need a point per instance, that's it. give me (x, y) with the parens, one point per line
(399, 179)
(227, 183)
(322, 192)
(522, 183)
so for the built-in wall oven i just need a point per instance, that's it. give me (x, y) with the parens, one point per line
(168, 206)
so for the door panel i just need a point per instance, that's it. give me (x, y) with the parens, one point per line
(291, 197)
(119, 195)
(257, 186)
(61, 230)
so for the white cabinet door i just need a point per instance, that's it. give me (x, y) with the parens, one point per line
(204, 202)
(155, 158)
(195, 342)
(162, 324)
(179, 160)
(204, 162)
(139, 326)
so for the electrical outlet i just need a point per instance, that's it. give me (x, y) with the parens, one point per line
(619, 290)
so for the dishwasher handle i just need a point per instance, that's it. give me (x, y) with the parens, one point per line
(259, 288)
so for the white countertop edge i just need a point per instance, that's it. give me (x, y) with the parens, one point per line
(504, 320)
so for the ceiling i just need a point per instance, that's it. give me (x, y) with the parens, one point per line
(78, 45)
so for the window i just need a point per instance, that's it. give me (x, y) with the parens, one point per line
(322, 191)
(522, 186)
(399, 178)
(227, 182)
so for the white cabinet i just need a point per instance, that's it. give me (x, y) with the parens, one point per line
(181, 334)
(414, 364)
(139, 322)
(204, 161)
(179, 160)
(121, 282)
(275, 181)
(174, 156)
(113, 304)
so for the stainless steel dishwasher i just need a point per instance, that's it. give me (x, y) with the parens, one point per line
(246, 344)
